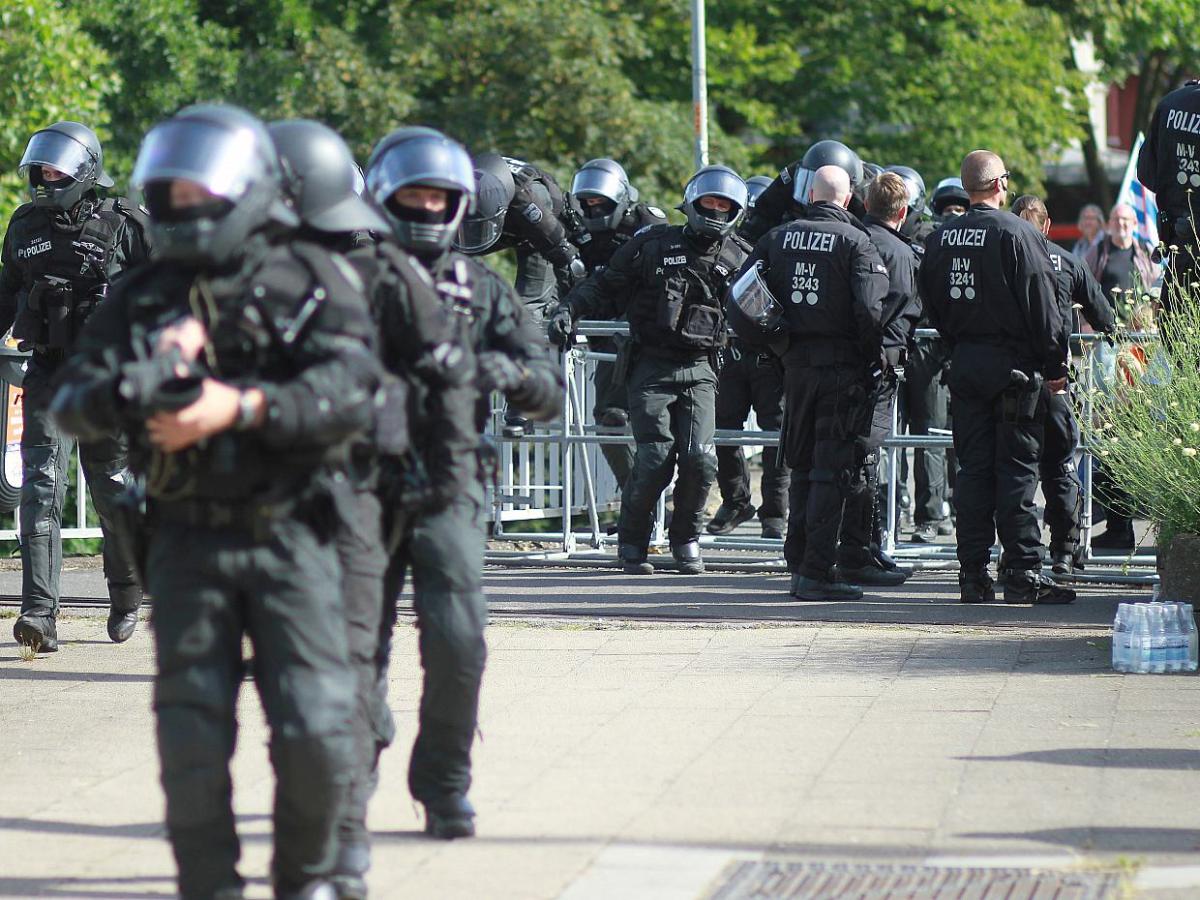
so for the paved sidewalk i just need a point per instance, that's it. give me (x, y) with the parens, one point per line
(624, 758)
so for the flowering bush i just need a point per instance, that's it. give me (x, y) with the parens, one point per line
(1143, 419)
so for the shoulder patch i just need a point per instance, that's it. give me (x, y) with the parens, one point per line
(655, 211)
(785, 176)
(533, 213)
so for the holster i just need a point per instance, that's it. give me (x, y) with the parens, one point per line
(1019, 401)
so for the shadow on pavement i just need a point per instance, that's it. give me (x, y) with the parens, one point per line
(1106, 839)
(1106, 758)
(14, 673)
(155, 830)
(115, 888)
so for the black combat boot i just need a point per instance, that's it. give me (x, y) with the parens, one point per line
(1064, 563)
(727, 518)
(1027, 586)
(687, 558)
(774, 528)
(124, 601)
(976, 587)
(633, 560)
(349, 872)
(818, 590)
(37, 631)
(449, 818)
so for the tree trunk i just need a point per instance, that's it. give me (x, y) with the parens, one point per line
(1101, 190)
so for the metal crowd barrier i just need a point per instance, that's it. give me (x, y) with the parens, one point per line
(580, 468)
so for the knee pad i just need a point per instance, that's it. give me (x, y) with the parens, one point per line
(322, 764)
(451, 627)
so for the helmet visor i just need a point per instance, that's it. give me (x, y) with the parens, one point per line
(598, 183)
(57, 150)
(755, 301)
(476, 235)
(717, 183)
(429, 161)
(225, 161)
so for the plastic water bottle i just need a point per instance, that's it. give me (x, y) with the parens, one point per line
(1158, 638)
(1122, 645)
(1189, 621)
(1139, 642)
(1177, 638)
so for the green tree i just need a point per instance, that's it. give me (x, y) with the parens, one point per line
(52, 71)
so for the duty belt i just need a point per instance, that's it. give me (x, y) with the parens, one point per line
(674, 354)
(256, 520)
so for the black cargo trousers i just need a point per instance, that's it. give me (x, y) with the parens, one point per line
(824, 420)
(444, 552)
(279, 584)
(998, 461)
(1059, 475)
(751, 380)
(672, 406)
(45, 458)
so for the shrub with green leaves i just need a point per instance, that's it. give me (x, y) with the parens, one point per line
(1142, 421)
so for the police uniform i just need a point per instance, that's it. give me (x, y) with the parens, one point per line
(240, 538)
(668, 282)
(774, 206)
(443, 547)
(1169, 165)
(1060, 482)
(596, 248)
(862, 524)
(533, 228)
(56, 270)
(829, 278)
(988, 285)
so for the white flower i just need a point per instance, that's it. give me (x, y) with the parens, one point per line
(1178, 442)
(1189, 451)
(1104, 453)
(1195, 426)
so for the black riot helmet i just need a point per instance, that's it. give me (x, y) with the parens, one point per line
(826, 153)
(229, 154)
(858, 192)
(605, 180)
(714, 181)
(421, 157)
(949, 191)
(494, 192)
(320, 178)
(755, 185)
(74, 150)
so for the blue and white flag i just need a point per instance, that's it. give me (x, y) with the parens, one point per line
(1141, 198)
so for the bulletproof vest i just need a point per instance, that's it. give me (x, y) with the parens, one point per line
(685, 289)
(67, 272)
(258, 326)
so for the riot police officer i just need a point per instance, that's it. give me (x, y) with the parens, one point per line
(611, 212)
(889, 202)
(239, 363)
(519, 206)
(831, 283)
(61, 252)
(751, 378)
(917, 222)
(987, 283)
(1076, 288)
(414, 339)
(669, 281)
(1169, 165)
(784, 199)
(424, 183)
(949, 199)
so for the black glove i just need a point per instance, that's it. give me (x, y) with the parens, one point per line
(560, 326)
(498, 372)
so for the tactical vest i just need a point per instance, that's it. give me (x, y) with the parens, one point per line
(256, 333)
(67, 274)
(523, 173)
(687, 313)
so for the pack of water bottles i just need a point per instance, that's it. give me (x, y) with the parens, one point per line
(1154, 637)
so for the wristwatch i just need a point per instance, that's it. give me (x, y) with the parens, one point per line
(246, 412)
